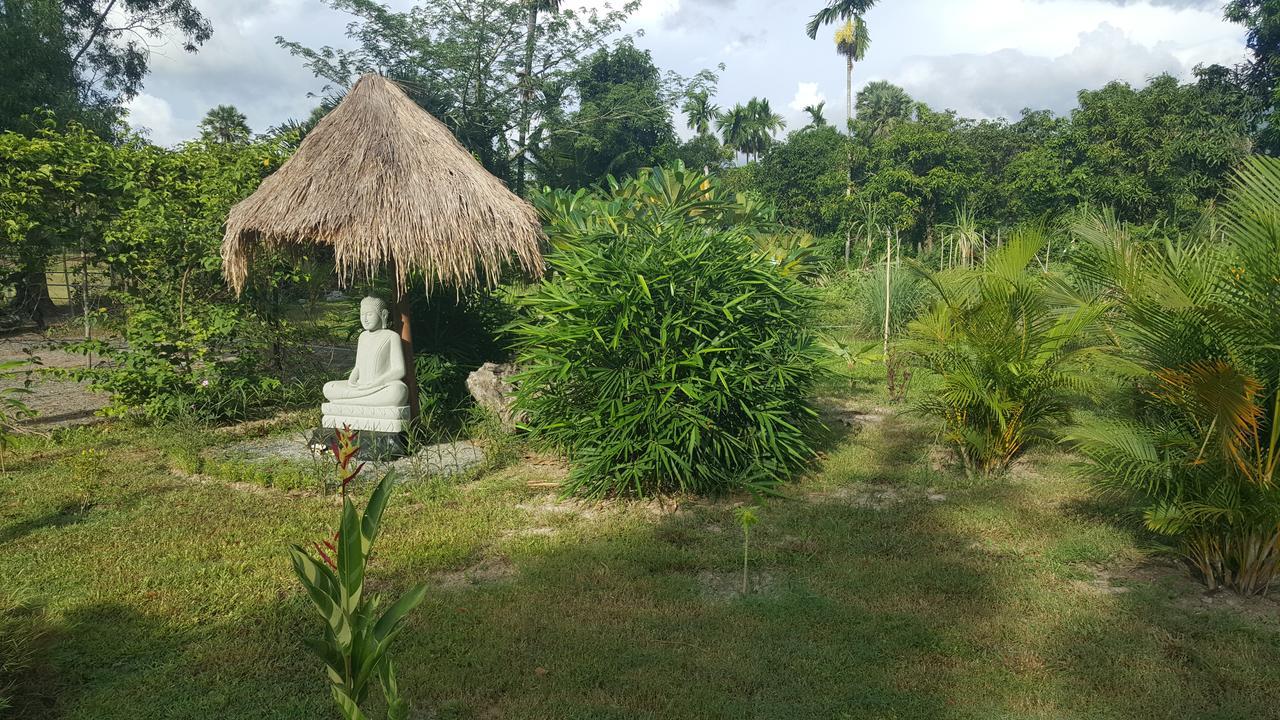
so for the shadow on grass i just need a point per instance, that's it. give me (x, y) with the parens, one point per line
(67, 514)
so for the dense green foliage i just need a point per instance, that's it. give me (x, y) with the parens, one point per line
(1011, 346)
(190, 347)
(1159, 155)
(1199, 324)
(622, 121)
(665, 353)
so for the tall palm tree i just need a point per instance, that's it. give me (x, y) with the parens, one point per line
(835, 11)
(226, 125)
(764, 123)
(701, 112)
(852, 42)
(527, 84)
(735, 129)
(816, 118)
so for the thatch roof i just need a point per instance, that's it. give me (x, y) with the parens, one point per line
(385, 183)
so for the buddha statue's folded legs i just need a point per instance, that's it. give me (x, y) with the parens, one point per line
(392, 394)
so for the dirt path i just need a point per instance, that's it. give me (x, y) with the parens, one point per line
(58, 402)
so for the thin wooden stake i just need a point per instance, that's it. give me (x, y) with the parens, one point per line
(888, 256)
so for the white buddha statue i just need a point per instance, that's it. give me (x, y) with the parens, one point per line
(374, 397)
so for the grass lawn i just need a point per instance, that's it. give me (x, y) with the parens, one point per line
(882, 588)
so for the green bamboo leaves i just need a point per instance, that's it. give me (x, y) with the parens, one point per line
(356, 637)
(666, 353)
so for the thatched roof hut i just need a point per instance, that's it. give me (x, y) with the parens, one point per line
(387, 185)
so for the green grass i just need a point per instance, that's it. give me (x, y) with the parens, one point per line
(882, 589)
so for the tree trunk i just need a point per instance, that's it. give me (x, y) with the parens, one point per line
(405, 310)
(526, 100)
(848, 94)
(31, 299)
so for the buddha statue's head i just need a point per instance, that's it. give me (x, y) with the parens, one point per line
(373, 314)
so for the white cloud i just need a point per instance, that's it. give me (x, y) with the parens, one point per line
(155, 116)
(982, 57)
(806, 94)
(1002, 83)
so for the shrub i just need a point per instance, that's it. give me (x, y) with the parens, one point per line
(1009, 345)
(665, 353)
(1199, 324)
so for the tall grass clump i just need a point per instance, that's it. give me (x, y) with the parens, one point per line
(665, 353)
(1011, 346)
(908, 296)
(1200, 327)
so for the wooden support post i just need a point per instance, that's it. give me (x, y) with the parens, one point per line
(404, 308)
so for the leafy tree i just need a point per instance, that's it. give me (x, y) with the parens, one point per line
(804, 178)
(36, 70)
(1259, 76)
(527, 83)
(467, 64)
(58, 188)
(623, 121)
(1156, 153)
(226, 125)
(190, 347)
(705, 152)
(111, 41)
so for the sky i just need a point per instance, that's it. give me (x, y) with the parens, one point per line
(981, 58)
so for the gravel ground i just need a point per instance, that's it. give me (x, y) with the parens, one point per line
(58, 402)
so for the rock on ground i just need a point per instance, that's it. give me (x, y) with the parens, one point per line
(492, 389)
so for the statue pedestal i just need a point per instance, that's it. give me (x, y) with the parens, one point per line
(374, 445)
(359, 417)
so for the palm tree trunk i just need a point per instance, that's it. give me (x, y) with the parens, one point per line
(848, 92)
(526, 100)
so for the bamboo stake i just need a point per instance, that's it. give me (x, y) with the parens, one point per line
(888, 256)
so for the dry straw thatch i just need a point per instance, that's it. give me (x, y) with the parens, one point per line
(385, 183)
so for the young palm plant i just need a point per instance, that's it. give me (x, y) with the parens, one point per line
(1008, 343)
(1199, 327)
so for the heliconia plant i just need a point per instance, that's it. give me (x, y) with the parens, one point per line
(356, 637)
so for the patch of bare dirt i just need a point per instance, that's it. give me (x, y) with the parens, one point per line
(1186, 592)
(543, 506)
(716, 585)
(489, 571)
(843, 412)
(876, 497)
